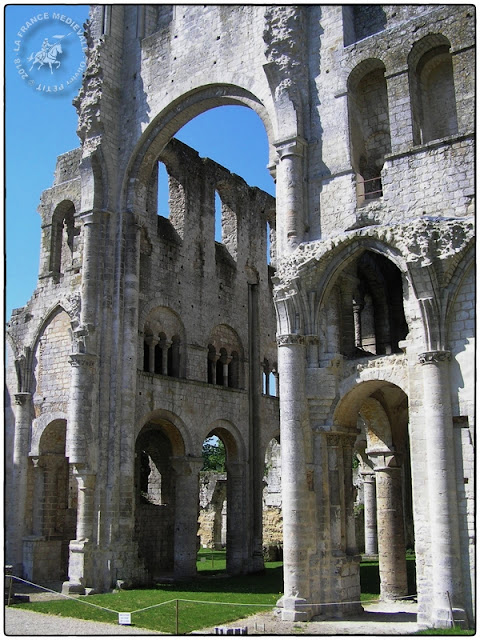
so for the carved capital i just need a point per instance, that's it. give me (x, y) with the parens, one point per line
(385, 460)
(84, 360)
(290, 147)
(23, 398)
(290, 339)
(434, 357)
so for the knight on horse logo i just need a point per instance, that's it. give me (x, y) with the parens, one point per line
(48, 53)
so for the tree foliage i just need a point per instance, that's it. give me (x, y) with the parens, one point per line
(213, 454)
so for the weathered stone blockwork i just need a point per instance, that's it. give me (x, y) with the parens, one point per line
(144, 336)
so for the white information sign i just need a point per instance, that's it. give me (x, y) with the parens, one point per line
(124, 618)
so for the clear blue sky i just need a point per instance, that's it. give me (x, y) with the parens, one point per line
(40, 126)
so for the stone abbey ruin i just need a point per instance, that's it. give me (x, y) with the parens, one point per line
(144, 336)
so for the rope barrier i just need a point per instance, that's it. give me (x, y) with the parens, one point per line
(230, 604)
(91, 604)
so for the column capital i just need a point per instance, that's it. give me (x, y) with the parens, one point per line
(434, 357)
(288, 339)
(86, 360)
(152, 341)
(385, 460)
(294, 146)
(22, 397)
(340, 439)
(94, 216)
(85, 477)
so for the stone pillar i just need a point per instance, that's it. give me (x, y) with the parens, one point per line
(390, 525)
(336, 497)
(237, 524)
(446, 578)
(80, 565)
(370, 513)
(186, 515)
(166, 344)
(21, 445)
(225, 362)
(92, 232)
(38, 497)
(350, 538)
(152, 343)
(212, 363)
(298, 528)
(79, 426)
(290, 194)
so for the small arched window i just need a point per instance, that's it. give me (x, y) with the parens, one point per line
(62, 238)
(432, 90)
(369, 127)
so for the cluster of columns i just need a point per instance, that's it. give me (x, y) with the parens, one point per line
(222, 368)
(158, 358)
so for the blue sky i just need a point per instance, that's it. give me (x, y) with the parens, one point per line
(39, 126)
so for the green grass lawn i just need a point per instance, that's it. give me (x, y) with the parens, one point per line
(264, 589)
(213, 585)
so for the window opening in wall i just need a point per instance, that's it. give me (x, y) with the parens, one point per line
(212, 519)
(369, 127)
(272, 503)
(218, 218)
(269, 379)
(432, 90)
(161, 355)
(163, 194)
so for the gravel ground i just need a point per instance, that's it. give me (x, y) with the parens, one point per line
(398, 618)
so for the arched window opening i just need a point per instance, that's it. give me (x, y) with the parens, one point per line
(226, 225)
(163, 191)
(233, 371)
(155, 499)
(63, 238)
(212, 518)
(269, 379)
(211, 365)
(218, 218)
(432, 90)
(368, 300)
(369, 127)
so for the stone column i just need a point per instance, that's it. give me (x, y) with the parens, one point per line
(79, 427)
(444, 534)
(225, 362)
(336, 498)
(186, 515)
(290, 194)
(38, 497)
(237, 523)
(370, 513)
(166, 344)
(21, 445)
(80, 565)
(92, 231)
(390, 525)
(350, 538)
(298, 528)
(212, 363)
(152, 343)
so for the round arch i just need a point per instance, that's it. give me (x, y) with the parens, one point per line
(171, 426)
(173, 118)
(39, 426)
(231, 438)
(354, 393)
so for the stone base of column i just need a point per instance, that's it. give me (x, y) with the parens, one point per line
(294, 609)
(442, 618)
(80, 566)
